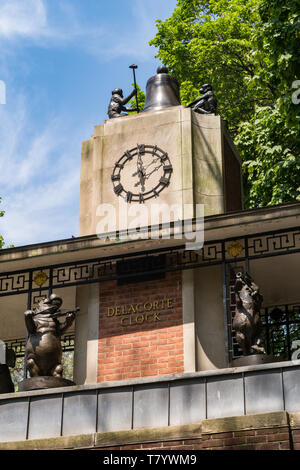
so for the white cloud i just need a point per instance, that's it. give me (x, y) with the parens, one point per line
(107, 38)
(44, 23)
(43, 212)
(22, 18)
(39, 178)
(21, 156)
(39, 164)
(30, 20)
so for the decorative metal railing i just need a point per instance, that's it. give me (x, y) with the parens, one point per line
(232, 253)
(281, 326)
(101, 269)
(18, 345)
(280, 332)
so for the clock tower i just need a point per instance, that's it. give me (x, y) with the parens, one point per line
(171, 157)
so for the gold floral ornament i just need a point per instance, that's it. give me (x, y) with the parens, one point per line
(40, 278)
(234, 249)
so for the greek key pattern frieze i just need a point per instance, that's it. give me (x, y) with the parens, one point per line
(275, 243)
(43, 279)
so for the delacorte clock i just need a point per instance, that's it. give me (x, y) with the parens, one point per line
(141, 173)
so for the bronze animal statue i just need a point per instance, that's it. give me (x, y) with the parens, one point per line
(6, 384)
(206, 103)
(246, 321)
(117, 103)
(43, 348)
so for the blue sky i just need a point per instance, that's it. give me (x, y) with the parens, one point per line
(59, 61)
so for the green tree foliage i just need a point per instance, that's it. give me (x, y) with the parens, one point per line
(17, 373)
(1, 238)
(248, 51)
(269, 142)
(2, 243)
(141, 99)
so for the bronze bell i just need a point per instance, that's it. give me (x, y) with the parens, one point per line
(162, 91)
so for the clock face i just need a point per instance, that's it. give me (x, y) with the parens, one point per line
(141, 173)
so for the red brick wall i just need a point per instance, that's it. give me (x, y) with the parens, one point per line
(148, 339)
(259, 439)
(296, 438)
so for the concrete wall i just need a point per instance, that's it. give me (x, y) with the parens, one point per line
(208, 163)
(166, 129)
(278, 279)
(209, 318)
(194, 144)
(163, 402)
(86, 334)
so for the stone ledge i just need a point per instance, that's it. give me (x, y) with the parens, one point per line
(88, 441)
(242, 423)
(294, 420)
(163, 434)
(156, 379)
(139, 436)
(83, 441)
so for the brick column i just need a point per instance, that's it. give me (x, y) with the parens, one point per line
(141, 329)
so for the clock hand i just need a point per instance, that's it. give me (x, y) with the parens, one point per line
(140, 170)
(142, 180)
(153, 161)
(155, 169)
(146, 176)
(139, 162)
(145, 168)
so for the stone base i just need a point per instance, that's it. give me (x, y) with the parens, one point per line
(39, 383)
(252, 360)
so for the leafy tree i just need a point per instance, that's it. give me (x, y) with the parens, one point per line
(271, 158)
(269, 142)
(68, 364)
(17, 373)
(247, 50)
(210, 41)
(141, 99)
(1, 238)
(2, 243)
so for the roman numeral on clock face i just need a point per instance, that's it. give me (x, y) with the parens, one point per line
(164, 180)
(167, 168)
(129, 196)
(118, 189)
